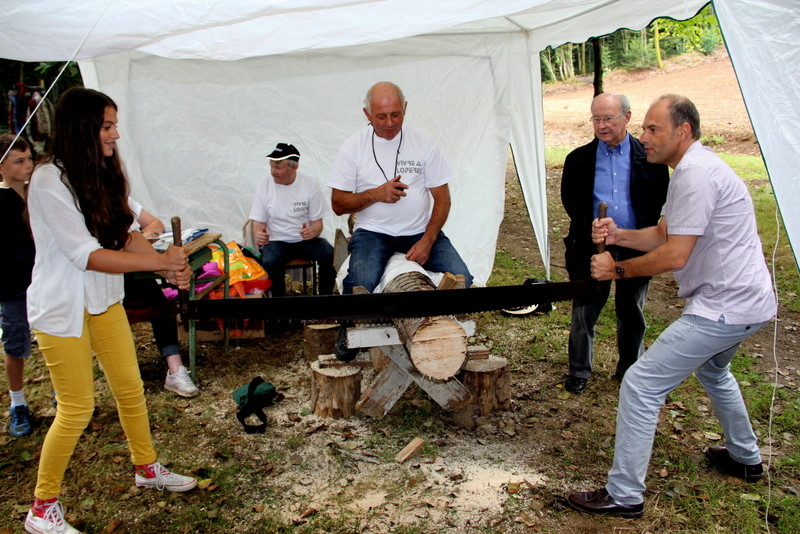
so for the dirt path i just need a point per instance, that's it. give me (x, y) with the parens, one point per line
(711, 85)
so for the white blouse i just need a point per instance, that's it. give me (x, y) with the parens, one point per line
(62, 287)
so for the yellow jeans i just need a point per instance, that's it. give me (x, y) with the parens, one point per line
(69, 360)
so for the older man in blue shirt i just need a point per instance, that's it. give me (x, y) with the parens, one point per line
(613, 168)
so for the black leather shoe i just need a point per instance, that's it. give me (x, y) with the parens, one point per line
(600, 502)
(721, 459)
(575, 385)
(340, 347)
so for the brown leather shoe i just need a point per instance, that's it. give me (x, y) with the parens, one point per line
(600, 502)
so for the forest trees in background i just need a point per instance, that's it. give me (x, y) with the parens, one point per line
(34, 75)
(630, 50)
(24, 85)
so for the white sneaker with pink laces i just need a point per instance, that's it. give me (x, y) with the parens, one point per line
(159, 477)
(47, 517)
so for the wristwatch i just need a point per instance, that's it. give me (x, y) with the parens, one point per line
(619, 269)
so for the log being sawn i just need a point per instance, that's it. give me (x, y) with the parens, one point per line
(437, 346)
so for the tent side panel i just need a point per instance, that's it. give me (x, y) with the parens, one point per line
(763, 40)
(197, 131)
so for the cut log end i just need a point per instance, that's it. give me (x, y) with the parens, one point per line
(436, 345)
(439, 348)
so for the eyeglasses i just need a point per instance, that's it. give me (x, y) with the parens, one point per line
(605, 120)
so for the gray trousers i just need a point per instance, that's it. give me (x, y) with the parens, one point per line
(692, 344)
(629, 299)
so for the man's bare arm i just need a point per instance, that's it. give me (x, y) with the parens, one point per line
(671, 255)
(311, 230)
(260, 234)
(644, 239)
(349, 202)
(420, 251)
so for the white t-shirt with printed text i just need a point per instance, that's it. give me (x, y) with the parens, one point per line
(285, 208)
(366, 161)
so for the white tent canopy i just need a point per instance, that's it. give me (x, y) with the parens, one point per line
(206, 89)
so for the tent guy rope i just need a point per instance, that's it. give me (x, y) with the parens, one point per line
(58, 77)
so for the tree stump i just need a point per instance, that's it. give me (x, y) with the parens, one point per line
(335, 391)
(436, 345)
(489, 381)
(319, 339)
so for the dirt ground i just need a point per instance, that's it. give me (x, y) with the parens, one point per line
(308, 474)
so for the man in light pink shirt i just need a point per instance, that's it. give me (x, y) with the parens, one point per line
(708, 237)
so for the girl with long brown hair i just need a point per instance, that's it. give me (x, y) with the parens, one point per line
(78, 205)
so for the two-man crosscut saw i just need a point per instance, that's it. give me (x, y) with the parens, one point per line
(382, 306)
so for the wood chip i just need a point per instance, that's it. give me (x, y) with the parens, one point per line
(414, 446)
(477, 352)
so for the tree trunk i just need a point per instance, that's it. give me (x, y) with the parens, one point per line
(597, 48)
(489, 382)
(657, 45)
(569, 61)
(436, 345)
(548, 64)
(564, 54)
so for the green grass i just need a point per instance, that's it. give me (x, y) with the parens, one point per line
(747, 167)
(554, 156)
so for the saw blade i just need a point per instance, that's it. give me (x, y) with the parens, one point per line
(383, 306)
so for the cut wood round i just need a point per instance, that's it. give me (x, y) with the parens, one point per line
(335, 391)
(436, 345)
(319, 339)
(489, 380)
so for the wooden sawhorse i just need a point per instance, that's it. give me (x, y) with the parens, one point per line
(399, 373)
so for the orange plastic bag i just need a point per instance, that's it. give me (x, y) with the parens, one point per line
(242, 268)
(245, 274)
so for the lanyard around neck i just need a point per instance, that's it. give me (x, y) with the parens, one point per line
(396, 156)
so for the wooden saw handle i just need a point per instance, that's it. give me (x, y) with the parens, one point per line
(177, 240)
(602, 209)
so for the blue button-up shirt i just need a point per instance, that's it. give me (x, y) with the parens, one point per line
(612, 177)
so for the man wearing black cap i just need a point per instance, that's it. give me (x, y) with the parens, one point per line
(287, 217)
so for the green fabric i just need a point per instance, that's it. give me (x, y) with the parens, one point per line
(262, 393)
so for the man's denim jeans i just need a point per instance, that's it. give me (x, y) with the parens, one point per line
(370, 251)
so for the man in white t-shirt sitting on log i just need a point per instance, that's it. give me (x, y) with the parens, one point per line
(395, 178)
(287, 213)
